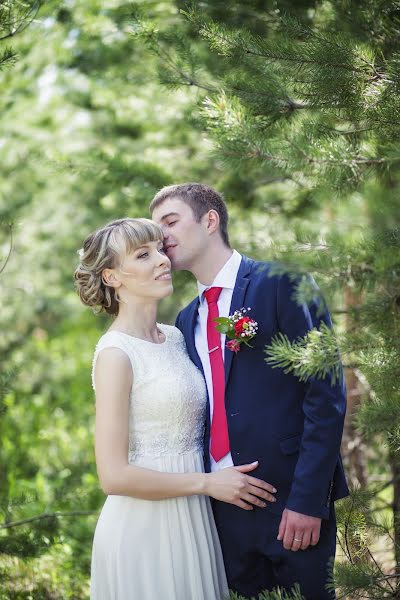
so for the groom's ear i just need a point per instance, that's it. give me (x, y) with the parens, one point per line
(212, 220)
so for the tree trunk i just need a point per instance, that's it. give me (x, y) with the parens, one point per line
(353, 446)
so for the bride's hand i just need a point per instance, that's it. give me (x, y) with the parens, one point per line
(232, 485)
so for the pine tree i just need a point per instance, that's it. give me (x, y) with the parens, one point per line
(15, 16)
(306, 108)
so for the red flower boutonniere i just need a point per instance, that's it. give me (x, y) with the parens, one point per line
(239, 327)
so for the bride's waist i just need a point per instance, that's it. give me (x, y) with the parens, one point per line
(169, 461)
(164, 444)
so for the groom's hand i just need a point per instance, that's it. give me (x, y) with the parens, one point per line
(234, 486)
(298, 531)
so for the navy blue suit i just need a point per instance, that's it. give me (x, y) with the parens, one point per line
(292, 428)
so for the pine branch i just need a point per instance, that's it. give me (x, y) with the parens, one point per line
(3, 266)
(228, 42)
(236, 133)
(362, 575)
(288, 104)
(314, 355)
(7, 58)
(12, 23)
(183, 77)
(47, 516)
(274, 55)
(169, 64)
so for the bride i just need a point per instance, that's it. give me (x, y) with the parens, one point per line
(155, 537)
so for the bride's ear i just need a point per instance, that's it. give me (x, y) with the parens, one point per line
(109, 279)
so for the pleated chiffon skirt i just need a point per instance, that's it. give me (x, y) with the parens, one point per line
(158, 549)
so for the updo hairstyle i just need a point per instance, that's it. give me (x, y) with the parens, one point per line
(106, 248)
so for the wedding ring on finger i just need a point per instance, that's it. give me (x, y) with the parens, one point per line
(296, 540)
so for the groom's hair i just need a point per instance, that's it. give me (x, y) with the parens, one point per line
(201, 198)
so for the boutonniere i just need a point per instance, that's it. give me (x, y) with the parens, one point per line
(239, 327)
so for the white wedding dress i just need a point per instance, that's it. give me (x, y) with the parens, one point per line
(159, 549)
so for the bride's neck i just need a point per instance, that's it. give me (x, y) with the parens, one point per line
(138, 319)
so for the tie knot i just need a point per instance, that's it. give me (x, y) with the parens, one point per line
(212, 294)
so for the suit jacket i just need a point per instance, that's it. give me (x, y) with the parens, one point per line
(292, 428)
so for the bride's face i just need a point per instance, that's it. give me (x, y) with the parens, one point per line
(145, 273)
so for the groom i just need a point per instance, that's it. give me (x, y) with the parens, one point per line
(256, 412)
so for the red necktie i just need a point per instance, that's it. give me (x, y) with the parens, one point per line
(219, 428)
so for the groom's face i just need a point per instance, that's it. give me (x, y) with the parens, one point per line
(184, 237)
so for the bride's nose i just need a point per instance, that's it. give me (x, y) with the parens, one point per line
(162, 258)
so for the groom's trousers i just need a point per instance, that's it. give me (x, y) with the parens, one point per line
(256, 561)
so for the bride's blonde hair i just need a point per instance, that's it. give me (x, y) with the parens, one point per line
(106, 248)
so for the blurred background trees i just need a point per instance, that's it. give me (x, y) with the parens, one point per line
(291, 109)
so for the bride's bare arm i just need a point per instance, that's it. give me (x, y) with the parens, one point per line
(113, 381)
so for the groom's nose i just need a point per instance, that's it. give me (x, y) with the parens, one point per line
(166, 236)
(161, 254)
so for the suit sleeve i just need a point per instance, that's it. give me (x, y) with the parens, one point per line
(324, 410)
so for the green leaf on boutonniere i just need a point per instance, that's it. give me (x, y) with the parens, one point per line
(223, 324)
(223, 328)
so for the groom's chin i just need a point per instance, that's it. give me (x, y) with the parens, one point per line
(177, 266)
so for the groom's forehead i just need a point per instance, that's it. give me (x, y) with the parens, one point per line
(169, 214)
(172, 207)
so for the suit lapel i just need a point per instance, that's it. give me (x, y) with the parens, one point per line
(191, 324)
(191, 347)
(238, 297)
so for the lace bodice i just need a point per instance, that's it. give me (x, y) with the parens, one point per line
(168, 397)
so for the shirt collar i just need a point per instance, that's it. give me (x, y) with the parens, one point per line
(226, 277)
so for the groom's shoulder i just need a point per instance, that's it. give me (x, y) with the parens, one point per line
(284, 279)
(189, 307)
(275, 277)
(185, 312)
(264, 271)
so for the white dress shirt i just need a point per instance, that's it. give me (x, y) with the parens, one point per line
(226, 279)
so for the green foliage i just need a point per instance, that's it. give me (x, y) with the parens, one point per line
(15, 16)
(359, 527)
(290, 109)
(306, 106)
(87, 137)
(295, 86)
(7, 58)
(314, 355)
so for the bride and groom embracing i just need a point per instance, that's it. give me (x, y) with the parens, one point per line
(221, 472)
